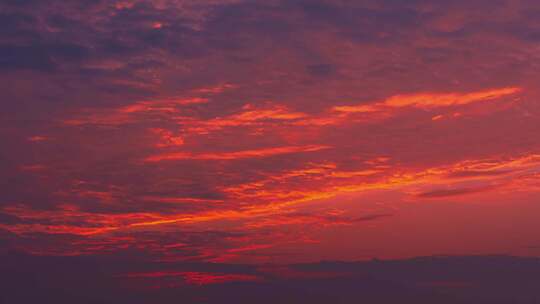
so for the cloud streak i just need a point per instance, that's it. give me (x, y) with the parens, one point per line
(236, 155)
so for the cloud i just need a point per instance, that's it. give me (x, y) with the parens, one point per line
(429, 101)
(135, 125)
(236, 155)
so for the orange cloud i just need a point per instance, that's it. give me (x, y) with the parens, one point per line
(278, 195)
(445, 100)
(161, 105)
(220, 88)
(429, 100)
(284, 196)
(134, 112)
(235, 155)
(166, 138)
(68, 219)
(249, 116)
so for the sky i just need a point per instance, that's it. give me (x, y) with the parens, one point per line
(253, 132)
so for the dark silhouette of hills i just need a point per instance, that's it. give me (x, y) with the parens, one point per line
(440, 279)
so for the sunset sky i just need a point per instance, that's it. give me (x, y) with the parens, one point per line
(254, 132)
